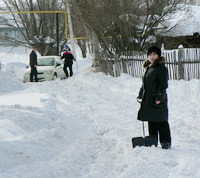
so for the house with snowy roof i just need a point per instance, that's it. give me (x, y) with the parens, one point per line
(193, 2)
(183, 27)
(9, 33)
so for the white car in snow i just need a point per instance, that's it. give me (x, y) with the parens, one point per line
(49, 68)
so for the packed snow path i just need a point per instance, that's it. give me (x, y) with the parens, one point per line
(82, 127)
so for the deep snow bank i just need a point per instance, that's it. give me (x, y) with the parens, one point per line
(9, 82)
(82, 127)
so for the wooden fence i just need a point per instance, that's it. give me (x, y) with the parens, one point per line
(181, 63)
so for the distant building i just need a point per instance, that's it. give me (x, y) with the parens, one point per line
(9, 34)
(194, 2)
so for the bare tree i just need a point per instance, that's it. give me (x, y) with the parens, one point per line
(79, 27)
(38, 29)
(122, 25)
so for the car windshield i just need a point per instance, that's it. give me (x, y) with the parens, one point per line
(46, 61)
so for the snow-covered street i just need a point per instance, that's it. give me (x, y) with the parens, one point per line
(82, 127)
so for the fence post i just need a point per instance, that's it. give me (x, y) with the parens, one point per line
(124, 65)
(180, 62)
(110, 67)
(116, 64)
(162, 47)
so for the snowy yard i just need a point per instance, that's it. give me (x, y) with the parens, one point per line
(82, 127)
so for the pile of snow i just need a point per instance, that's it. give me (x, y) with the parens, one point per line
(14, 54)
(14, 60)
(9, 82)
(16, 68)
(82, 127)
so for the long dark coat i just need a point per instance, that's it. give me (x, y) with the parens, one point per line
(33, 59)
(155, 83)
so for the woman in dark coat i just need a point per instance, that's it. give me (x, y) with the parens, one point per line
(153, 97)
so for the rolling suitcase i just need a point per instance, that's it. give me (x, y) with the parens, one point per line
(145, 141)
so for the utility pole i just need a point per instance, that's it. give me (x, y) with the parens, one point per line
(57, 34)
(71, 32)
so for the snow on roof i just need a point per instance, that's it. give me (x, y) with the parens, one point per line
(4, 26)
(48, 56)
(183, 22)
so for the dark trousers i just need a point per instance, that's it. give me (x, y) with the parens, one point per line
(161, 128)
(70, 69)
(33, 73)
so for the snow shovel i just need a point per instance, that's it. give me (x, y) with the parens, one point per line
(145, 141)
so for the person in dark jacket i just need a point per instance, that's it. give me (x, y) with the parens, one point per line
(68, 56)
(153, 97)
(33, 64)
